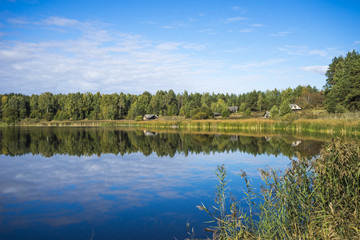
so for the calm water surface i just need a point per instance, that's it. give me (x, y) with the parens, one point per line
(61, 183)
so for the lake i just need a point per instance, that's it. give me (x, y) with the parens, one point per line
(108, 183)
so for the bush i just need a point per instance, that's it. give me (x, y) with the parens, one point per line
(225, 113)
(200, 115)
(284, 109)
(274, 111)
(48, 116)
(205, 113)
(242, 107)
(247, 112)
(138, 118)
(340, 109)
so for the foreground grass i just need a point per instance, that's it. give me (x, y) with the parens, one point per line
(313, 199)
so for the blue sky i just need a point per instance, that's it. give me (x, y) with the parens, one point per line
(133, 46)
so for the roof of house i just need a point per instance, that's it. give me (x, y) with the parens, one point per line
(294, 106)
(150, 116)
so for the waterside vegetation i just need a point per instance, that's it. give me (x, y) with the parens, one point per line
(338, 124)
(313, 199)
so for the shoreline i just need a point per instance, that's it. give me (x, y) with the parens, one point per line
(338, 127)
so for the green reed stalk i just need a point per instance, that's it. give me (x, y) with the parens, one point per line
(313, 199)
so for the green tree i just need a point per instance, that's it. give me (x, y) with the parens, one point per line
(171, 103)
(220, 106)
(247, 112)
(138, 108)
(342, 88)
(284, 109)
(201, 113)
(251, 100)
(46, 105)
(11, 113)
(34, 106)
(261, 101)
(242, 107)
(274, 111)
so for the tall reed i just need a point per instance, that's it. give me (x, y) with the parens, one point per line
(313, 199)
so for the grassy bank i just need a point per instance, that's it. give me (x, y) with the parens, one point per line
(340, 127)
(313, 199)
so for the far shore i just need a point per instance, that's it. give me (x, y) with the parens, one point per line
(342, 127)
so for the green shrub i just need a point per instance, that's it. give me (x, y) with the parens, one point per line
(205, 113)
(138, 118)
(200, 115)
(225, 113)
(247, 112)
(274, 111)
(284, 109)
(242, 107)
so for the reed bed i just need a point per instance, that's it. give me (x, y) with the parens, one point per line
(340, 126)
(313, 199)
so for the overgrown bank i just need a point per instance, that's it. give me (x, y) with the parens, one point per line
(324, 126)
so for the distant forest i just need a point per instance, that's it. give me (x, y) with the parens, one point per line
(340, 94)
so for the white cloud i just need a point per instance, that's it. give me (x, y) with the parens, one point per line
(58, 21)
(98, 59)
(257, 25)
(195, 46)
(169, 46)
(357, 42)
(316, 69)
(172, 46)
(255, 65)
(281, 34)
(209, 31)
(235, 8)
(305, 51)
(17, 21)
(322, 53)
(236, 19)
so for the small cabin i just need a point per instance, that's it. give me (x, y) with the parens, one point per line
(295, 107)
(150, 117)
(233, 109)
(266, 114)
(295, 143)
(148, 133)
(217, 114)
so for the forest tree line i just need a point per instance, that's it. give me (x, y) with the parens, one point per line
(341, 93)
(79, 106)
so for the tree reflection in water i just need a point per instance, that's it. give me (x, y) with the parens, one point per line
(97, 141)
